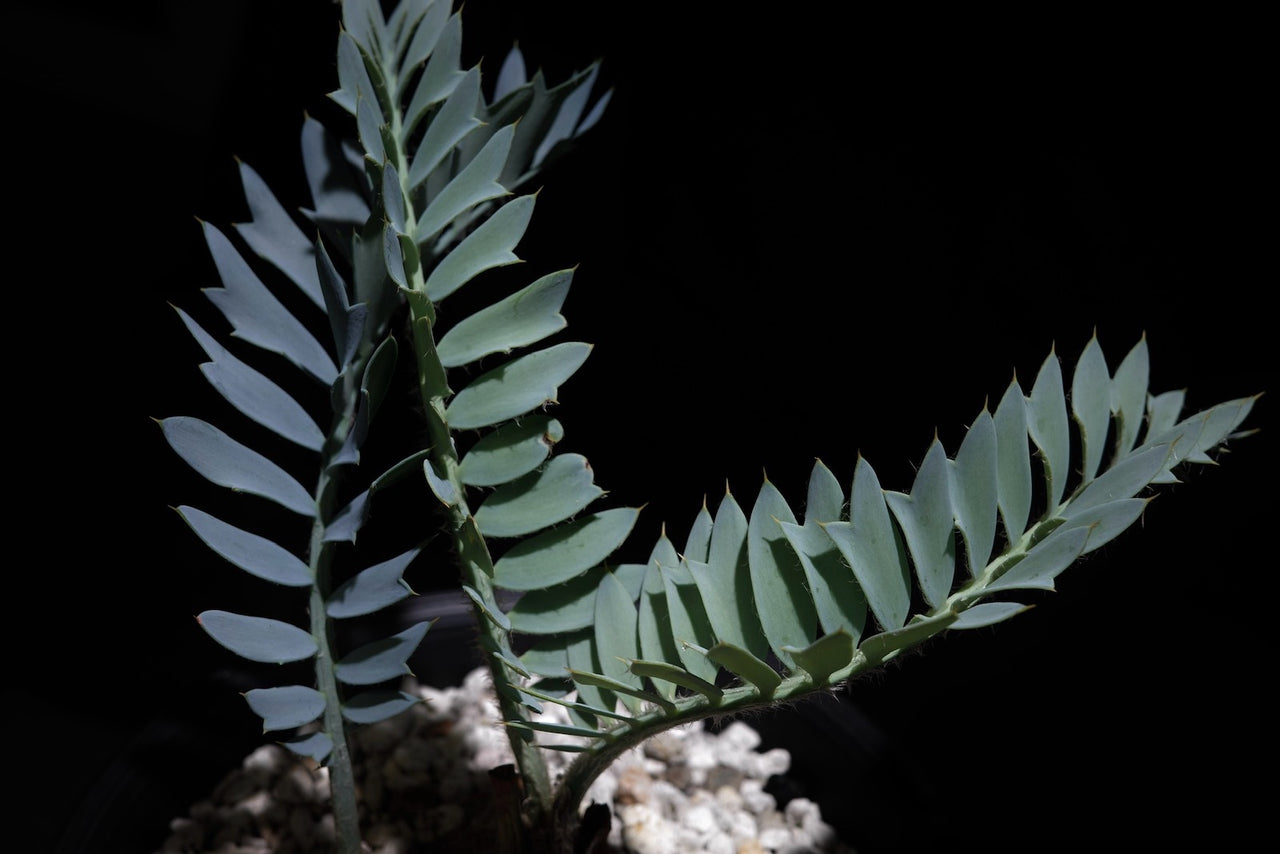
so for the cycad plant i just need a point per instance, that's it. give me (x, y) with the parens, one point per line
(382, 283)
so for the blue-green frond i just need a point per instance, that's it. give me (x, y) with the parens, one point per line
(780, 607)
(337, 335)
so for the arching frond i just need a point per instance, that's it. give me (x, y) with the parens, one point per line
(766, 606)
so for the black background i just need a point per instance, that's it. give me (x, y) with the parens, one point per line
(799, 234)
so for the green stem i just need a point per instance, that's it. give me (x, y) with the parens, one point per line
(341, 776)
(592, 762)
(474, 560)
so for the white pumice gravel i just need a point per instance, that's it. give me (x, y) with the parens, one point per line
(424, 786)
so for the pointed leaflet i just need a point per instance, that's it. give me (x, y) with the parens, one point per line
(565, 552)
(393, 256)
(1221, 424)
(987, 614)
(354, 80)
(476, 183)
(490, 245)
(1047, 423)
(1107, 521)
(1181, 439)
(257, 316)
(490, 609)
(379, 256)
(1013, 462)
(878, 648)
(440, 77)
(373, 706)
(566, 120)
(1091, 405)
(720, 608)
(441, 486)
(1162, 414)
(383, 659)
(274, 236)
(786, 612)
(346, 524)
(633, 696)
(379, 371)
(615, 635)
(372, 589)
(871, 546)
(331, 177)
(581, 657)
(454, 120)
(285, 707)
(698, 544)
(689, 627)
(1191, 438)
(1129, 395)
(426, 30)
(348, 521)
(585, 732)
(316, 745)
(1044, 561)
(839, 601)
(363, 20)
(596, 113)
(346, 321)
(539, 499)
(511, 110)
(512, 450)
(824, 501)
(374, 384)
(724, 581)
(1123, 480)
(369, 125)
(511, 75)
(836, 595)
(394, 209)
(524, 318)
(535, 123)
(556, 695)
(254, 554)
(974, 489)
(432, 378)
(253, 394)
(653, 626)
(927, 524)
(825, 656)
(569, 606)
(507, 657)
(664, 552)
(666, 677)
(742, 663)
(226, 462)
(515, 388)
(258, 638)
(549, 657)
